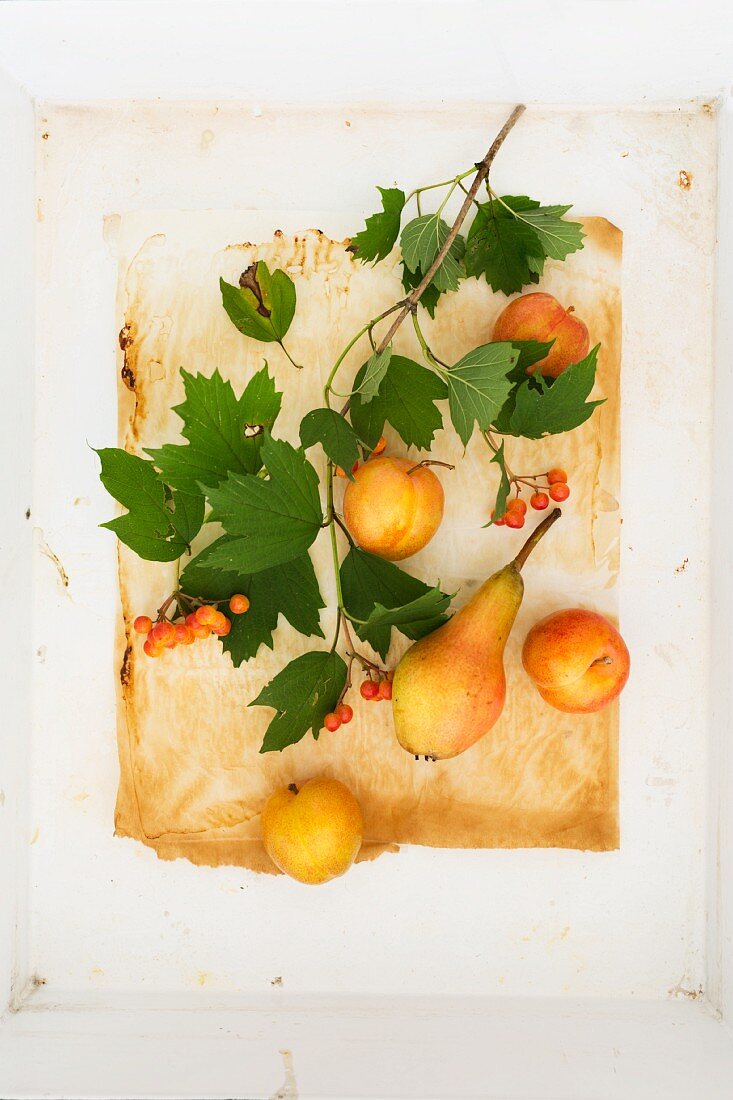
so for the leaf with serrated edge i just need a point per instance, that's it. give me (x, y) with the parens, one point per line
(425, 609)
(372, 374)
(158, 525)
(406, 399)
(561, 407)
(478, 386)
(215, 423)
(499, 509)
(302, 693)
(273, 520)
(422, 239)
(367, 580)
(290, 589)
(377, 239)
(334, 433)
(558, 237)
(499, 247)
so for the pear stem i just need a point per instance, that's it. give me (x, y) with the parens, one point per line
(535, 537)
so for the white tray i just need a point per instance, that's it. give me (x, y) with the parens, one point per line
(511, 975)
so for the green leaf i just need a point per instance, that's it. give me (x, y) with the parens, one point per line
(558, 237)
(559, 407)
(406, 399)
(290, 589)
(418, 613)
(303, 693)
(377, 240)
(334, 433)
(478, 386)
(499, 509)
(422, 239)
(500, 247)
(372, 373)
(530, 352)
(273, 520)
(367, 582)
(216, 424)
(263, 305)
(430, 296)
(159, 524)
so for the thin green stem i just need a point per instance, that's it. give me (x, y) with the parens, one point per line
(444, 183)
(367, 328)
(298, 366)
(428, 354)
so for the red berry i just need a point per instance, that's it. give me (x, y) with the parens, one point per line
(163, 634)
(151, 648)
(385, 690)
(239, 604)
(206, 615)
(498, 522)
(539, 501)
(514, 519)
(222, 629)
(143, 624)
(556, 475)
(369, 690)
(380, 445)
(196, 628)
(559, 491)
(517, 505)
(332, 722)
(345, 713)
(184, 634)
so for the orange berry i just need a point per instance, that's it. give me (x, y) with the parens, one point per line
(559, 491)
(143, 624)
(498, 522)
(222, 629)
(539, 501)
(206, 615)
(556, 475)
(339, 472)
(345, 713)
(514, 519)
(238, 604)
(332, 722)
(379, 446)
(151, 648)
(369, 690)
(385, 690)
(184, 634)
(517, 505)
(163, 634)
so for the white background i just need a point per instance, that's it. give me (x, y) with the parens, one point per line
(423, 922)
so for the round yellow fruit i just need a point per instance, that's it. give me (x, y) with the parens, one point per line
(313, 834)
(393, 507)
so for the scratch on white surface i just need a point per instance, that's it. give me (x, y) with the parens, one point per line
(47, 552)
(289, 1089)
(276, 981)
(2, 797)
(36, 834)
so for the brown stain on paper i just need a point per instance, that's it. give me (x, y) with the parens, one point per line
(192, 780)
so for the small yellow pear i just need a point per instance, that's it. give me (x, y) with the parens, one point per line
(313, 834)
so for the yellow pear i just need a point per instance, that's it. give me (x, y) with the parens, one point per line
(449, 688)
(312, 834)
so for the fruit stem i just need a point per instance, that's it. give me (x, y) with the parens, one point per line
(293, 788)
(535, 537)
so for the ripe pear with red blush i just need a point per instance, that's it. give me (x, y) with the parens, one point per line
(449, 688)
(539, 316)
(577, 659)
(393, 507)
(313, 834)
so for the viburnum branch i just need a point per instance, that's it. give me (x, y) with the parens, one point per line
(483, 168)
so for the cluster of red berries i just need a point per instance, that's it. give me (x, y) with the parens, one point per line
(339, 717)
(381, 444)
(516, 509)
(371, 690)
(205, 620)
